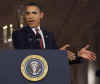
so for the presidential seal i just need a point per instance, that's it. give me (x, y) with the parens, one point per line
(34, 67)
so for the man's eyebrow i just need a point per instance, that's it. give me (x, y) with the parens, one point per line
(27, 12)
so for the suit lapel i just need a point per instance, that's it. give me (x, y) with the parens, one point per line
(29, 31)
(45, 34)
(30, 34)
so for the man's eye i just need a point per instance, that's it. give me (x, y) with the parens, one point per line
(27, 13)
(34, 12)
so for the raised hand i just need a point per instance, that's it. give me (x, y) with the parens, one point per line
(87, 54)
(65, 47)
(71, 55)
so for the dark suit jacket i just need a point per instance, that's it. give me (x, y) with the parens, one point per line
(25, 39)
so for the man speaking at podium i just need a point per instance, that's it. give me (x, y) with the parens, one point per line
(33, 37)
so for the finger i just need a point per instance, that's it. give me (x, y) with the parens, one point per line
(85, 55)
(91, 60)
(88, 52)
(86, 47)
(92, 54)
(92, 57)
(71, 55)
(88, 55)
(64, 47)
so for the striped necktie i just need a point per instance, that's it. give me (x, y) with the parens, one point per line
(39, 38)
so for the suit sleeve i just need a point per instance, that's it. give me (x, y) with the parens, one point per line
(54, 44)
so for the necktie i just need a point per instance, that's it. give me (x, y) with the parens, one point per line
(39, 38)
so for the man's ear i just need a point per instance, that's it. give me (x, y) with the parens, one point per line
(42, 15)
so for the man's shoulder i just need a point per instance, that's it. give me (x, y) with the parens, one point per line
(17, 31)
(21, 30)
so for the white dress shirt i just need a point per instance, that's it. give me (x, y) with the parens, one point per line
(41, 33)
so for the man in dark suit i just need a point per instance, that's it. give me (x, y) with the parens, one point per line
(26, 39)
(33, 37)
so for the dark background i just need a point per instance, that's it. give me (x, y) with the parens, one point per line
(70, 20)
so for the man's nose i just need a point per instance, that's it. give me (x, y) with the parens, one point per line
(31, 16)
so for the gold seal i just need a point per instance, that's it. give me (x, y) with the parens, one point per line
(34, 67)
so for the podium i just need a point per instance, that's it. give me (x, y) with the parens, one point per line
(11, 60)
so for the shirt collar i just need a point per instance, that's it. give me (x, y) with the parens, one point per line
(37, 28)
(33, 29)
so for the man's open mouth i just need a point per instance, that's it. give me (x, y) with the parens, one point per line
(31, 21)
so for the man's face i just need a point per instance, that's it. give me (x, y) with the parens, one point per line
(33, 16)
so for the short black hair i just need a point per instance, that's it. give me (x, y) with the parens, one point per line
(33, 4)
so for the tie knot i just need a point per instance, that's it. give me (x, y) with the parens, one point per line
(37, 30)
